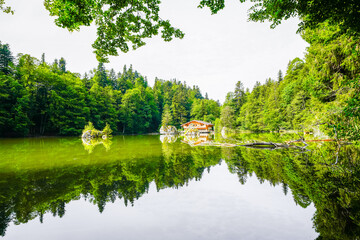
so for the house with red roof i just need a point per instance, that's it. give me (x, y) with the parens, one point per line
(201, 126)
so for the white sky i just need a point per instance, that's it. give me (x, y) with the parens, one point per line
(216, 52)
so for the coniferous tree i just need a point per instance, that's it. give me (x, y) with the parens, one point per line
(101, 75)
(227, 117)
(6, 58)
(239, 97)
(166, 119)
(49, 100)
(62, 65)
(55, 65)
(113, 79)
(178, 107)
(43, 59)
(280, 76)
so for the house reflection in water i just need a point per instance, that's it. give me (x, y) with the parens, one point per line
(198, 140)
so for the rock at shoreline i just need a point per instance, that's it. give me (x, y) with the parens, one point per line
(92, 134)
(168, 130)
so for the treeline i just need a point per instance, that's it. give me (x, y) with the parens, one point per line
(38, 98)
(322, 89)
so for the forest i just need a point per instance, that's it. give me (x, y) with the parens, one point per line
(320, 91)
(38, 98)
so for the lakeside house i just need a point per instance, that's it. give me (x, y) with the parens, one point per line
(201, 126)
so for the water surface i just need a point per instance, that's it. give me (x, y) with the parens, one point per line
(137, 187)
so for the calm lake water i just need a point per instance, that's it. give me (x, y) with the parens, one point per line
(148, 187)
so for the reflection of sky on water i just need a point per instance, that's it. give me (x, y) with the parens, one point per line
(217, 207)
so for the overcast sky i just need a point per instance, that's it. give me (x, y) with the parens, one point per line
(216, 52)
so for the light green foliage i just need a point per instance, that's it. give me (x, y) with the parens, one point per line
(330, 61)
(107, 130)
(333, 67)
(5, 9)
(96, 133)
(321, 90)
(347, 123)
(89, 127)
(166, 119)
(227, 117)
(205, 110)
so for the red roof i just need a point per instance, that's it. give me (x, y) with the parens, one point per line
(202, 122)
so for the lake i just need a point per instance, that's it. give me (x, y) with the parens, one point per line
(151, 187)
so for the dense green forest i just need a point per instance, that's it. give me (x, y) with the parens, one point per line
(321, 90)
(38, 98)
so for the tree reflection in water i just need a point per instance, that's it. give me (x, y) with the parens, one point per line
(312, 177)
(90, 143)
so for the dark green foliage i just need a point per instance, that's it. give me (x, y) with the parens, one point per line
(345, 13)
(62, 64)
(119, 23)
(123, 23)
(6, 58)
(180, 106)
(280, 76)
(43, 58)
(14, 107)
(239, 98)
(130, 22)
(101, 76)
